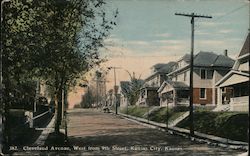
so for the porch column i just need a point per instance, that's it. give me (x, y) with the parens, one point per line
(174, 97)
(219, 96)
(214, 96)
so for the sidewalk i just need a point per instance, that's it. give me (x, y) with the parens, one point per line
(46, 131)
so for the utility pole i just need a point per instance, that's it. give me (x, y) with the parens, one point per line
(115, 88)
(191, 115)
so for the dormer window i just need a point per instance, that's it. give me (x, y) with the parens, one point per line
(206, 74)
(203, 73)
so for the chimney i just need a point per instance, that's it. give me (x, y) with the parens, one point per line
(225, 52)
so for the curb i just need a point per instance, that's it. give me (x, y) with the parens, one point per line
(199, 137)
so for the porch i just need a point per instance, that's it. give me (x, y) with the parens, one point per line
(239, 103)
(148, 97)
(235, 95)
(174, 97)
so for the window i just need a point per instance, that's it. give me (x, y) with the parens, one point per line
(202, 93)
(210, 74)
(203, 74)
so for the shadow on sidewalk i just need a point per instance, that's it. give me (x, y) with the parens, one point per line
(56, 140)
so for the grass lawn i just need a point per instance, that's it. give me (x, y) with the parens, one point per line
(164, 114)
(231, 125)
(159, 115)
(135, 111)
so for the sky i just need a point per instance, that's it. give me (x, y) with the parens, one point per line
(149, 32)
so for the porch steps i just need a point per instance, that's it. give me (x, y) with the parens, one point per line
(222, 108)
(179, 119)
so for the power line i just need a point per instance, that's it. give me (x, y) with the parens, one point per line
(230, 12)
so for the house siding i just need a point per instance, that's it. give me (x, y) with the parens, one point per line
(196, 96)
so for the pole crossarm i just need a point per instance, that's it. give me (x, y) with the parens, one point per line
(193, 15)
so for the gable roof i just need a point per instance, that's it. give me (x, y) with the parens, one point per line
(245, 48)
(206, 59)
(229, 74)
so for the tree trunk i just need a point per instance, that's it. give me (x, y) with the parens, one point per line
(58, 102)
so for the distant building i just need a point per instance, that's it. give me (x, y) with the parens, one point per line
(208, 69)
(110, 98)
(148, 93)
(233, 88)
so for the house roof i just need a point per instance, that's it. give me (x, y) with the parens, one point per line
(206, 59)
(223, 61)
(167, 67)
(162, 68)
(174, 84)
(245, 48)
(149, 88)
(157, 66)
(186, 57)
(177, 84)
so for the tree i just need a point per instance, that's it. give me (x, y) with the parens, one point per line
(53, 40)
(132, 92)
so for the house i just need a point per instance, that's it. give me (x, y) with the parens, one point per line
(148, 92)
(209, 68)
(123, 90)
(233, 88)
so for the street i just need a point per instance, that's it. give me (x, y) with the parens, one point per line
(91, 132)
(95, 133)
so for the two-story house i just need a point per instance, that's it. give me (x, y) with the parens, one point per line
(233, 88)
(208, 69)
(148, 93)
